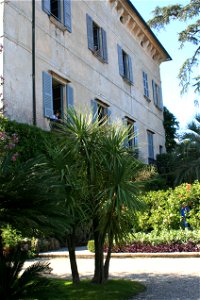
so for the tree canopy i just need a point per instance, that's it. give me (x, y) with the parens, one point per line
(188, 14)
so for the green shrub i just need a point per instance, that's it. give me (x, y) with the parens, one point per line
(90, 246)
(31, 139)
(167, 237)
(10, 237)
(163, 209)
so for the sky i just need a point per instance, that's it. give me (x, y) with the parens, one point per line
(181, 106)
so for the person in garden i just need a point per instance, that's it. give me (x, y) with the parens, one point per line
(184, 214)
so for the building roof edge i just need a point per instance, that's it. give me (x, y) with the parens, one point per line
(148, 28)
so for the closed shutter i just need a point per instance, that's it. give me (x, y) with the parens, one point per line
(94, 106)
(67, 14)
(104, 45)
(120, 61)
(47, 95)
(70, 97)
(145, 84)
(46, 6)
(90, 35)
(130, 69)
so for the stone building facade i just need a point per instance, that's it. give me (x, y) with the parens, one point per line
(97, 56)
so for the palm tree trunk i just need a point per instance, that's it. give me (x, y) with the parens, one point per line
(98, 242)
(108, 257)
(72, 257)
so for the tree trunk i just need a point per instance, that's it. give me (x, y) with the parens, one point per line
(107, 262)
(98, 242)
(72, 257)
(1, 246)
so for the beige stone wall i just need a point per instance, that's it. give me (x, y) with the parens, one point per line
(67, 54)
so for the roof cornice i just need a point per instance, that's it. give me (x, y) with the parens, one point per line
(131, 18)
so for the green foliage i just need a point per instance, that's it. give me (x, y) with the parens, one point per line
(163, 212)
(90, 246)
(166, 236)
(184, 13)
(117, 289)
(31, 139)
(170, 125)
(11, 237)
(16, 283)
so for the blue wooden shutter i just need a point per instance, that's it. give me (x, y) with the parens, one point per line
(150, 144)
(154, 91)
(160, 98)
(67, 14)
(94, 106)
(104, 45)
(90, 35)
(120, 61)
(47, 95)
(130, 69)
(135, 135)
(70, 97)
(46, 6)
(125, 124)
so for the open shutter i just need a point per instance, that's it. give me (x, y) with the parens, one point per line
(120, 61)
(125, 124)
(46, 6)
(67, 14)
(70, 97)
(150, 145)
(154, 92)
(130, 69)
(135, 135)
(104, 45)
(47, 95)
(90, 35)
(160, 104)
(94, 106)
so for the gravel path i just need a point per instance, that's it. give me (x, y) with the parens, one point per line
(165, 278)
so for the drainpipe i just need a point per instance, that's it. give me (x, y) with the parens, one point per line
(33, 63)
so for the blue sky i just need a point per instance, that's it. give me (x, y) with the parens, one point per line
(182, 107)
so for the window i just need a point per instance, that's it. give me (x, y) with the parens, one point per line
(100, 111)
(59, 11)
(97, 41)
(132, 133)
(145, 84)
(57, 95)
(125, 65)
(157, 95)
(150, 147)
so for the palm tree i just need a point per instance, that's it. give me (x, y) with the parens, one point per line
(30, 201)
(16, 283)
(188, 169)
(108, 171)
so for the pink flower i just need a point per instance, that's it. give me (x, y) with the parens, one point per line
(14, 157)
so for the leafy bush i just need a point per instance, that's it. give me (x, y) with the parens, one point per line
(163, 209)
(31, 139)
(90, 246)
(10, 237)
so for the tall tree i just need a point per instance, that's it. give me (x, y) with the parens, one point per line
(184, 13)
(170, 125)
(188, 154)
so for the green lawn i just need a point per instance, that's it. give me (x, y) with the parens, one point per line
(112, 290)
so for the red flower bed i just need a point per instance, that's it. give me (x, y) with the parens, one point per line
(174, 247)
